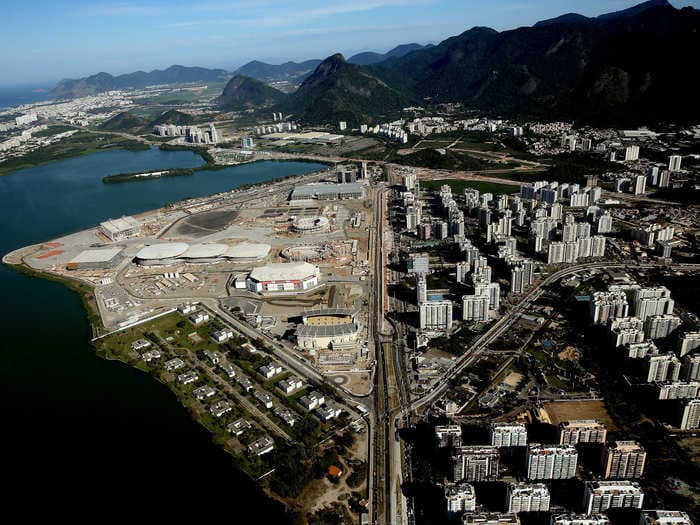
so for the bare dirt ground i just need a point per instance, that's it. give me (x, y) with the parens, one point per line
(559, 411)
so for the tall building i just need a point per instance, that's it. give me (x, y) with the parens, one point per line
(604, 223)
(579, 519)
(659, 326)
(632, 153)
(421, 289)
(691, 367)
(687, 342)
(626, 330)
(475, 308)
(679, 390)
(652, 301)
(664, 517)
(604, 495)
(462, 271)
(639, 185)
(459, 497)
(598, 246)
(690, 417)
(663, 367)
(551, 461)
(517, 280)
(623, 460)
(674, 163)
(448, 436)
(490, 518)
(608, 305)
(524, 497)
(582, 431)
(508, 434)
(419, 263)
(641, 350)
(436, 316)
(475, 463)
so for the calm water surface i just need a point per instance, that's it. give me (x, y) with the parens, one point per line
(84, 436)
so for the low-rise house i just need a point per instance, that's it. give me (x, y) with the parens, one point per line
(199, 318)
(238, 427)
(246, 384)
(327, 413)
(312, 400)
(186, 309)
(221, 336)
(151, 355)
(203, 392)
(188, 377)
(220, 408)
(174, 364)
(140, 344)
(261, 446)
(228, 368)
(285, 415)
(270, 371)
(264, 398)
(290, 385)
(214, 357)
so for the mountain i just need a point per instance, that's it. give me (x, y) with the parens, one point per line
(369, 57)
(337, 90)
(175, 117)
(290, 71)
(629, 67)
(242, 92)
(101, 82)
(123, 121)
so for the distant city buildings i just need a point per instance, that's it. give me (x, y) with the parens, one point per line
(524, 497)
(475, 463)
(582, 431)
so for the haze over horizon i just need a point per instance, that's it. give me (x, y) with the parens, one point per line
(123, 37)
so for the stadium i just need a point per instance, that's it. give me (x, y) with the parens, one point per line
(334, 328)
(314, 224)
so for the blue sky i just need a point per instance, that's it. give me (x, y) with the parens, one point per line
(45, 40)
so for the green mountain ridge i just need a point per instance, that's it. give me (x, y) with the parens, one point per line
(245, 92)
(101, 82)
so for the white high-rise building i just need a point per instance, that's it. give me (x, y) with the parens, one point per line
(639, 185)
(459, 497)
(475, 463)
(632, 153)
(604, 495)
(435, 316)
(659, 326)
(625, 330)
(664, 367)
(448, 436)
(551, 461)
(608, 305)
(555, 253)
(623, 460)
(508, 434)
(674, 163)
(421, 289)
(652, 301)
(582, 431)
(688, 342)
(690, 419)
(691, 367)
(475, 308)
(664, 517)
(579, 519)
(524, 497)
(598, 246)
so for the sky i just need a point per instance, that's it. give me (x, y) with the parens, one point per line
(46, 40)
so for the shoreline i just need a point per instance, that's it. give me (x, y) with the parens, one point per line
(85, 294)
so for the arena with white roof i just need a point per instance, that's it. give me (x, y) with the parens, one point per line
(283, 277)
(165, 253)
